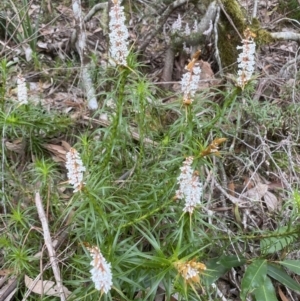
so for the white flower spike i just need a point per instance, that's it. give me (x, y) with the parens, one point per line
(176, 26)
(75, 169)
(246, 59)
(22, 90)
(101, 271)
(118, 35)
(190, 188)
(190, 79)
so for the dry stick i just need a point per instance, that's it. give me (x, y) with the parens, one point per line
(217, 53)
(48, 242)
(254, 13)
(10, 289)
(219, 293)
(286, 35)
(80, 43)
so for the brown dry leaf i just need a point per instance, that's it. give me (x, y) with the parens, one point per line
(16, 146)
(5, 272)
(261, 191)
(59, 152)
(256, 193)
(206, 71)
(66, 145)
(271, 201)
(45, 287)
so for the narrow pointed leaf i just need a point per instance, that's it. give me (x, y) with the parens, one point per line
(255, 275)
(293, 265)
(231, 261)
(214, 270)
(280, 275)
(266, 291)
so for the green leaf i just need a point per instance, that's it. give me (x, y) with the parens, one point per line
(280, 275)
(255, 275)
(266, 291)
(231, 261)
(273, 244)
(293, 265)
(214, 270)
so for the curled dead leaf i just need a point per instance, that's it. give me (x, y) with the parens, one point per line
(256, 193)
(271, 201)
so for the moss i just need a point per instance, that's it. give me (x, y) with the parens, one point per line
(289, 8)
(233, 9)
(262, 36)
(228, 37)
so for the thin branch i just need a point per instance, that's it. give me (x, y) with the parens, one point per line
(48, 243)
(217, 53)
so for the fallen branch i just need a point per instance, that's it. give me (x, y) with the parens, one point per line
(80, 44)
(48, 243)
(286, 35)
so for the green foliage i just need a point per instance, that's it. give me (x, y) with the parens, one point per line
(265, 291)
(274, 244)
(29, 32)
(127, 205)
(289, 8)
(254, 276)
(276, 272)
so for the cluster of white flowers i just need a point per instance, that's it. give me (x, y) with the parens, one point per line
(101, 271)
(246, 62)
(118, 35)
(75, 169)
(195, 26)
(22, 90)
(177, 25)
(189, 82)
(190, 272)
(187, 30)
(190, 188)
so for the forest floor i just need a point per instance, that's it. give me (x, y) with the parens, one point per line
(250, 181)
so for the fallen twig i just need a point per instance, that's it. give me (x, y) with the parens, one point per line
(48, 242)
